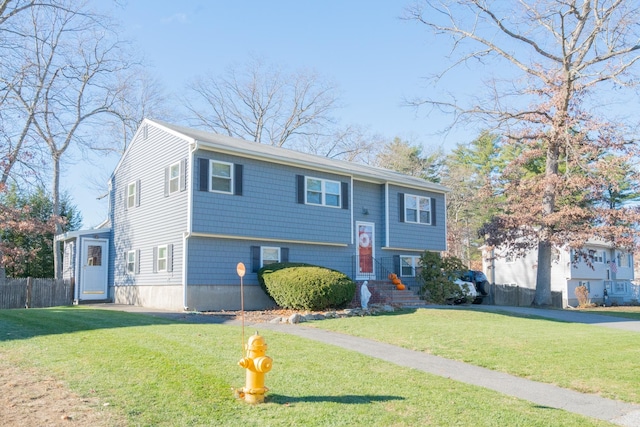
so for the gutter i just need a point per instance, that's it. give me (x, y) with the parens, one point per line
(185, 236)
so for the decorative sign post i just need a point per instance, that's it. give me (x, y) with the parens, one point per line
(241, 270)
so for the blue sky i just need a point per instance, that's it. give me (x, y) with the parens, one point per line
(375, 58)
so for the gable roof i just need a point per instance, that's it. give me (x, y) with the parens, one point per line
(236, 146)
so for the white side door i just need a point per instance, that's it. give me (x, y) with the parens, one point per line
(93, 277)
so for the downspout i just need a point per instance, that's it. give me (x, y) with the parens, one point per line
(351, 204)
(185, 236)
(386, 214)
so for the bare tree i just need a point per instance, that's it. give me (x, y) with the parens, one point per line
(73, 60)
(351, 143)
(261, 103)
(140, 96)
(561, 56)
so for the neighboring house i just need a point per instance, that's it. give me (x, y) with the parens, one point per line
(610, 269)
(186, 206)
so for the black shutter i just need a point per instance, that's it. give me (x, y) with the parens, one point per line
(433, 211)
(284, 254)
(166, 181)
(300, 188)
(255, 258)
(137, 197)
(204, 174)
(401, 206)
(345, 195)
(396, 265)
(169, 258)
(237, 180)
(183, 174)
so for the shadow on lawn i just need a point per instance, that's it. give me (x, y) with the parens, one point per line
(21, 324)
(349, 399)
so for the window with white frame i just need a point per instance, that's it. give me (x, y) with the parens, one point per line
(174, 177)
(131, 195)
(161, 261)
(417, 209)
(624, 259)
(322, 192)
(408, 265)
(269, 255)
(585, 284)
(221, 176)
(597, 256)
(131, 262)
(619, 287)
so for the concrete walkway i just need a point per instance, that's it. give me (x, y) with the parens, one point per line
(616, 412)
(572, 316)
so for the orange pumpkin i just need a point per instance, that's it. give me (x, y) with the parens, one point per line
(400, 287)
(392, 276)
(396, 281)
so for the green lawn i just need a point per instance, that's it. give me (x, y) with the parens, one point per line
(161, 373)
(581, 357)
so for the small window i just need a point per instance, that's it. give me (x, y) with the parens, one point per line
(323, 192)
(94, 255)
(597, 256)
(162, 258)
(221, 177)
(619, 287)
(417, 209)
(269, 255)
(131, 262)
(408, 265)
(174, 178)
(624, 259)
(586, 285)
(131, 195)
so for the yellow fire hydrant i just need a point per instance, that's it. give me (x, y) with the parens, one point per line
(256, 364)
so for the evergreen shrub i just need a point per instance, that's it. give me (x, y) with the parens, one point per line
(306, 287)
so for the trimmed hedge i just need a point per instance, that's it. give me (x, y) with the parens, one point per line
(306, 287)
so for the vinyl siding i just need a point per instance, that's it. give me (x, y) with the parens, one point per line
(213, 261)
(158, 219)
(268, 206)
(416, 236)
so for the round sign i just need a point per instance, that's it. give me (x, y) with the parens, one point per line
(240, 269)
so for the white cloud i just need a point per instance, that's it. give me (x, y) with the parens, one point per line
(180, 18)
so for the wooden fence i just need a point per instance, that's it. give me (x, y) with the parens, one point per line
(35, 293)
(519, 297)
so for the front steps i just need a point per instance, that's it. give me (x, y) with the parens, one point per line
(383, 291)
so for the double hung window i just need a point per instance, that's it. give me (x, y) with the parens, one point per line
(221, 178)
(322, 192)
(417, 209)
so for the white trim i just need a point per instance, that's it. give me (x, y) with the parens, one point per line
(386, 219)
(265, 239)
(372, 243)
(390, 248)
(351, 209)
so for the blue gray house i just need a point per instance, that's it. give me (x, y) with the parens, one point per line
(186, 206)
